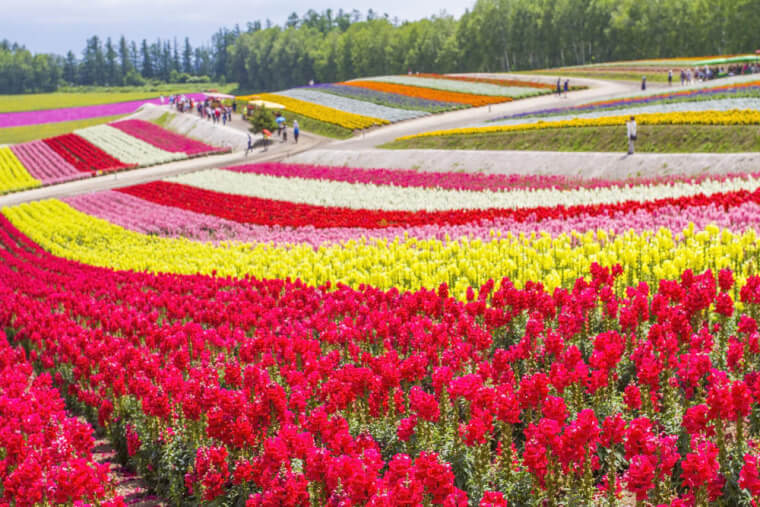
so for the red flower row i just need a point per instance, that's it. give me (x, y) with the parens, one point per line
(163, 139)
(343, 396)
(255, 210)
(46, 455)
(83, 155)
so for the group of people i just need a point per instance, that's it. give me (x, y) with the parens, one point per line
(282, 128)
(689, 76)
(561, 88)
(218, 113)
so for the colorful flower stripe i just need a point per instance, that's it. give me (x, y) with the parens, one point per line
(499, 82)
(407, 266)
(465, 181)
(13, 175)
(693, 93)
(725, 104)
(47, 455)
(429, 93)
(124, 147)
(359, 107)
(339, 194)
(252, 210)
(746, 117)
(146, 217)
(452, 85)
(162, 138)
(386, 99)
(20, 119)
(44, 164)
(323, 113)
(143, 216)
(367, 397)
(83, 155)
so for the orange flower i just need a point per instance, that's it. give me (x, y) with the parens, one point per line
(429, 93)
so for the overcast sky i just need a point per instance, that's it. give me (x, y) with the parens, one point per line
(61, 25)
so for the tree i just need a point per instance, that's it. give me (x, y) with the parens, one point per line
(70, 68)
(112, 74)
(187, 57)
(147, 60)
(262, 119)
(125, 64)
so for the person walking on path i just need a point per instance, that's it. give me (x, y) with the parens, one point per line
(643, 82)
(559, 87)
(250, 145)
(284, 132)
(670, 78)
(631, 128)
(567, 86)
(296, 130)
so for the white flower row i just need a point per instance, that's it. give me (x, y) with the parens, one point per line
(455, 85)
(388, 197)
(726, 104)
(354, 106)
(126, 148)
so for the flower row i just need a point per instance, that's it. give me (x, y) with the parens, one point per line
(46, 455)
(83, 155)
(13, 175)
(419, 92)
(129, 149)
(356, 196)
(324, 113)
(734, 117)
(385, 99)
(359, 107)
(164, 139)
(444, 83)
(144, 216)
(407, 264)
(274, 392)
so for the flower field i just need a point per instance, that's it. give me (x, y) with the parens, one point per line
(326, 114)
(420, 92)
(87, 152)
(709, 117)
(469, 86)
(299, 335)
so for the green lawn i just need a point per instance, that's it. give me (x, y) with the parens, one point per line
(12, 135)
(652, 139)
(91, 96)
(658, 77)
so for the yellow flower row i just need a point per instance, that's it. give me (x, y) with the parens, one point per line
(404, 264)
(324, 113)
(13, 175)
(733, 117)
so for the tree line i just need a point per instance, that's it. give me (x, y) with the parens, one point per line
(495, 35)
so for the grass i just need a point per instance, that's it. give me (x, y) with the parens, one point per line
(651, 139)
(317, 127)
(90, 96)
(12, 135)
(622, 75)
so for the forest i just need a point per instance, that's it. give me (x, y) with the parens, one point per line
(494, 35)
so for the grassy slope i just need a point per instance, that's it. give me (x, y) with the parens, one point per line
(12, 135)
(90, 96)
(652, 139)
(622, 75)
(317, 127)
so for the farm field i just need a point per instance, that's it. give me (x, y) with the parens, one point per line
(13, 135)
(281, 334)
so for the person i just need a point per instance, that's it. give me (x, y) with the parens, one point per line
(250, 145)
(670, 78)
(234, 106)
(280, 119)
(567, 86)
(559, 87)
(643, 82)
(296, 130)
(224, 117)
(284, 132)
(631, 128)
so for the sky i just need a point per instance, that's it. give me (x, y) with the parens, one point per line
(57, 26)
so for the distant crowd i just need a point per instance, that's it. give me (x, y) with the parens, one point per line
(689, 76)
(208, 109)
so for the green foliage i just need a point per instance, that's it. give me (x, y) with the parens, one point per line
(262, 118)
(652, 139)
(317, 127)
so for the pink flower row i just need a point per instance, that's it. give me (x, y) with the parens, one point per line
(162, 138)
(45, 164)
(146, 217)
(47, 455)
(459, 181)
